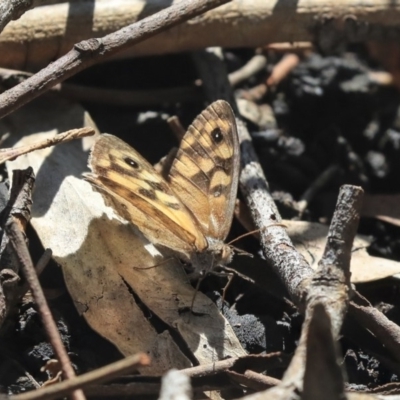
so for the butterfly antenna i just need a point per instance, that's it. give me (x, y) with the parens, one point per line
(256, 231)
(157, 265)
(244, 235)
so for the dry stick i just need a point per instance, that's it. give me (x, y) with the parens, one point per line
(13, 9)
(14, 152)
(254, 65)
(176, 127)
(103, 374)
(329, 288)
(19, 246)
(245, 23)
(282, 69)
(18, 209)
(293, 47)
(277, 247)
(386, 331)
(90, 52)
(254, 380)
(323, 376)
(323, 179)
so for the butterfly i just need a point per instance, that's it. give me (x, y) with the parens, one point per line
(190, 211)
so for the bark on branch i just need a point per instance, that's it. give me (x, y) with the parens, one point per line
(45, 33)
(89, 52)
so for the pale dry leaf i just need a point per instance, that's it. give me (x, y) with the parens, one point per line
(309, 238)
(99, 253)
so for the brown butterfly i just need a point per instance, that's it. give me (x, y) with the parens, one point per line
(189, 212)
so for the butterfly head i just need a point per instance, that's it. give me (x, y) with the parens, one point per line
(217, 254)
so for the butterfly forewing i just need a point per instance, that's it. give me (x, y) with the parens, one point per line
(205, 172)
(145, 198)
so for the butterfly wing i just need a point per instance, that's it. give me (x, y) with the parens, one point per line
(140, 195)
(205, 172)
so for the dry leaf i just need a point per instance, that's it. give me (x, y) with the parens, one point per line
(99, 253)
(309, 238)
(385, 207)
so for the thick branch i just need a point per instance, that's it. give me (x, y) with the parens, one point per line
(53, 30)
(87, 53)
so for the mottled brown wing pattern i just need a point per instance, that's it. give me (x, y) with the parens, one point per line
(142, 196)
(205, 172)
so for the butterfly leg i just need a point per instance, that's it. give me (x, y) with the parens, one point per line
(157, 265)
(195, 292)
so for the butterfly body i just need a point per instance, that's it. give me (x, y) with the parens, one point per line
(191, 211)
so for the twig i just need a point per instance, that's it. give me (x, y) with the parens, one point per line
(323, 377)
(282, 69)
(13, 9)
(176, 127)
(18, 243)
(39, 268)
(254, 65)
(316, 186)
(103, 374)
(327, 297)
(89, 52)
(18, 210)
(254, 380)
(43, 261)
(238, 364)
(293, 47)
(14, 152)
(386, 331)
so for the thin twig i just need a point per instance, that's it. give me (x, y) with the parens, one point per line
(91, 51)
(282, 69)
(14, 152)
(253, 66)
(323, 179)
(103, 374)
(18, 243)
(176, 127)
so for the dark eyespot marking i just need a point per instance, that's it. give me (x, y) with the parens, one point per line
(131, 163)
(217, 135)
(149, 194)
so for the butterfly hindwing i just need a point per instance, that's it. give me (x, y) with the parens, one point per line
(142, 196)
(205, 172)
